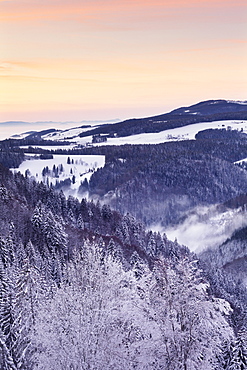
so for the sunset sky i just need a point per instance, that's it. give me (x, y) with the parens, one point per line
(93, 59)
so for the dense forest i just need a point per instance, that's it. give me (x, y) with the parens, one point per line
(84, 284)
(84, 287)
(176, 177)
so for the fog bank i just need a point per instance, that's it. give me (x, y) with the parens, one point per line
(205, 227)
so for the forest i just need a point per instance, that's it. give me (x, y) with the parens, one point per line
(86, 285)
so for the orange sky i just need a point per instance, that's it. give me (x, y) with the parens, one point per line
(80, 59)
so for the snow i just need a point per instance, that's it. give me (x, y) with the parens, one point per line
(67, 134)
(180, 133)
(222, 306)
(21, 136)
(84, 141)
(82, 168)
(238, 102)
(20, 129)
(241, 160)
(50, 147)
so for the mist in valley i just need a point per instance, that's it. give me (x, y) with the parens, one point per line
(205, 227)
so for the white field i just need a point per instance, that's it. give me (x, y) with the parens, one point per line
(19, 130)
(50, 147)
(241, 160)
(83, 167)
(68, 134)
(181, 133)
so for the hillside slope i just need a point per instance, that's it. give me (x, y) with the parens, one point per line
(211, 110)
(80, 278)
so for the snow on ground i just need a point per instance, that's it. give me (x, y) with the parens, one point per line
(23, 129)
(19, 129)
(50, 147)
(241, 160)
(79, 168)
(181, 133)
(238, 102)
(67, 134)
(22, 136)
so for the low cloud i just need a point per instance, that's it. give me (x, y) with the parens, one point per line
(205, 227)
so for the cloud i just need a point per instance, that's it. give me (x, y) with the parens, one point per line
(97, 10)
(205, 227)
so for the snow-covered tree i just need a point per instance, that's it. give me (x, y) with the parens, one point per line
(192, 325)
(239, 359)
(96, 320)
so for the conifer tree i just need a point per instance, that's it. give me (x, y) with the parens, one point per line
(239, 359)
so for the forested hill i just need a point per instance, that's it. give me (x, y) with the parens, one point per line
(84, 284)
(84, 287)
(160, 183)
(207, 111)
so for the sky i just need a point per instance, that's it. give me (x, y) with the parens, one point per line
(91, 59)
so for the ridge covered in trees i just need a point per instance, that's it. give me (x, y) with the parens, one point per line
(84, 287)
(84, 284)
(207, 111)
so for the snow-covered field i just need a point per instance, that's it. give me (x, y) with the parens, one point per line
(19, 129)
(76, 168)
(241, 160)
(181, 133)
(50, 147)
(68, 134)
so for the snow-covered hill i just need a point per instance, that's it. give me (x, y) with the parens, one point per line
(21, 129)
(179, 124)
(213, 106)
(179, 133)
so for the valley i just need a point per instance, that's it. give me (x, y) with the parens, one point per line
(133, 248)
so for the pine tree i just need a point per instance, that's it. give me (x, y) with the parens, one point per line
(227, 354)
(80, 223)
(5, 249)
(12, 355)
(151, 244)
(239, 360)
(113, 251)
(137, 265)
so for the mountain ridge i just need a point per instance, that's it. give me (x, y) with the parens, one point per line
(210, 110)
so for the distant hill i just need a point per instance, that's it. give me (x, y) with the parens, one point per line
(205, 111)
(209, 107)
(208, 111)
